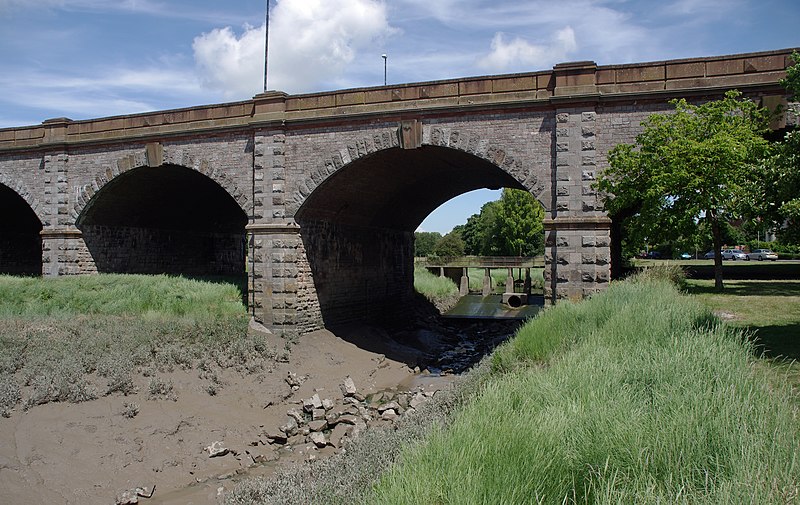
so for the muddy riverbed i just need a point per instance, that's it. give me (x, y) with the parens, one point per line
(91, 452)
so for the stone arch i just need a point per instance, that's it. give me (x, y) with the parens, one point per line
(169, 156)
(20, 232)
(23, 193)
(439, 136)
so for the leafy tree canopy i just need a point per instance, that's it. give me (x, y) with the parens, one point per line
(694, 164)
(782, 172)
(510, 226)
(449, 246)
(792, 80)
(424, 242)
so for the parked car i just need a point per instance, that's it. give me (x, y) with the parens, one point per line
(734, 254)
(763, 254)
(709, 255)
(654, 255)
(685, 256)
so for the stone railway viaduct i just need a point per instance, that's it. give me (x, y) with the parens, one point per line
(317, 196)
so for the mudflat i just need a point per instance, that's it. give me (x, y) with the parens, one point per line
(91, 452)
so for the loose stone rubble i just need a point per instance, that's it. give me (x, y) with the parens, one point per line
(327, 422)
(131, 496)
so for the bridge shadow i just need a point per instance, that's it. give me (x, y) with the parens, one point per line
(750, 288)
(777, 341)
(427, 340)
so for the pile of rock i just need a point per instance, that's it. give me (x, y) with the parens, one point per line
(323, 422)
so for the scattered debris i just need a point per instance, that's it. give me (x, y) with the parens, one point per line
(217, 449)
(131, 496)
(349, 387)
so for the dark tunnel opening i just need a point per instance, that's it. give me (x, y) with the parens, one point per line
(165, 220)
(20, 236)
(358, 226)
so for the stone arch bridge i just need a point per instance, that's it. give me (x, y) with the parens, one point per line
(316, 197)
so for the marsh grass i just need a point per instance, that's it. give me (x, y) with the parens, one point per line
(146, 296)
(637, 395)
(440, 291)
(73, 339)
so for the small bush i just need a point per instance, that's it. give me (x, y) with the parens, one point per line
(9, 394)
(62, 381)
(672, 273)
(130, 410)
(159, 388)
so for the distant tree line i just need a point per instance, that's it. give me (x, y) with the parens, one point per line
(510, 226)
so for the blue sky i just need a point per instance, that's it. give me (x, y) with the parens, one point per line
(95, 58)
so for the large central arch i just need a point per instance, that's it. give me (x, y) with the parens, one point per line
(166, 219)
(357, 226)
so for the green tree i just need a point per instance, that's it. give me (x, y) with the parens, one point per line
(792, 80)
(449, 246)
(693, 165)
(781, 181)
(519, 223)
(480, 231)
(424, 242)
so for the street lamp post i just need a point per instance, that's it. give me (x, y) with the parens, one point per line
(384, 56)
(266, 46)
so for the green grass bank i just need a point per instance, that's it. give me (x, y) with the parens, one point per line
(72, 339)
(638, 395)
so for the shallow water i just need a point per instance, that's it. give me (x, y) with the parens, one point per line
(491, 307)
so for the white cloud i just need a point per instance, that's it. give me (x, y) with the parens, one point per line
(518, 54)
(311, 43)
(102, 92)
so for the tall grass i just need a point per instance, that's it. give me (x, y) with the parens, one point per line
(440, 291)
(634, 396)
(118, 294)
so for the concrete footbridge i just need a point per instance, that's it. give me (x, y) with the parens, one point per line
(458, 270)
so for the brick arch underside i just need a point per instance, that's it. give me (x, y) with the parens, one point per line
(20, 239)
(357, 223)
(165, 219)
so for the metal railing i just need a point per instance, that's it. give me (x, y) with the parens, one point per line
(484, 262)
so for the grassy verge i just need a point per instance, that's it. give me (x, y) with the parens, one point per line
(635, 396)
(440, 291)
(75, 338)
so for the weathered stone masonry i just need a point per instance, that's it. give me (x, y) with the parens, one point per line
(317, 196)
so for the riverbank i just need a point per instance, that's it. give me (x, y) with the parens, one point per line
(116, 383)
(637, 395)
